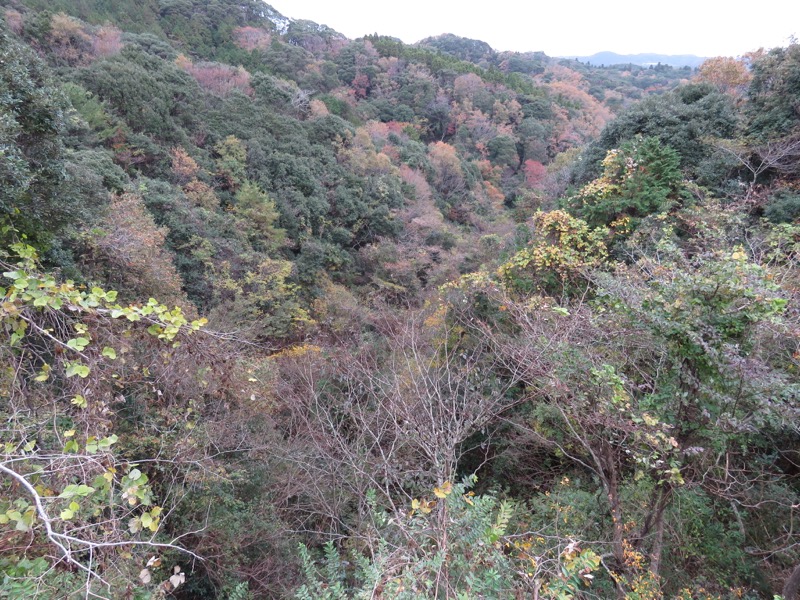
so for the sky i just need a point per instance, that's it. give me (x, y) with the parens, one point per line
(568, 27)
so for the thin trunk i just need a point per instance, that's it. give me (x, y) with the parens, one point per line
(658, 545)
(659, 523)
(792, 585)
(612, 489)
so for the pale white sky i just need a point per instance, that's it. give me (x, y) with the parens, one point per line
(568, 27)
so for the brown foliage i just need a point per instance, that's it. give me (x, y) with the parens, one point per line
(68, 40)
(391, 418)
(107, 41)
(317, 109)
(252, 38)
(201, 194)
(129, 254)
(14, 20)
(449, 178)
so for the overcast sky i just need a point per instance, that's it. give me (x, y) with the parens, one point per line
(568, 27)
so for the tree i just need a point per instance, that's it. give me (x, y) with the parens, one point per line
(395, 419)
(777, 155)
(773, 93)
(640, 178)
(256, 212)
(727, 74)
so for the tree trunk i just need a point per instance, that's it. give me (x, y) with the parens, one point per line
(792, 585)
(665, 496)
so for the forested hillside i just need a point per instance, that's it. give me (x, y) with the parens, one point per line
(288, 315)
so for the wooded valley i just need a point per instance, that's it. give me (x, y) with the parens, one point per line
(289, 315)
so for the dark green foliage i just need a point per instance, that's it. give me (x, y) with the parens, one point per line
(683, 120)
(474, 51)
(503, 151)
(783, 206)
(152, 95)
(202, 26)
(439, 62)
(32, 167)
(639, 179)
(774, 93)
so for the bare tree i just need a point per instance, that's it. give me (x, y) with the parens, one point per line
(393, 418)
(780, 155)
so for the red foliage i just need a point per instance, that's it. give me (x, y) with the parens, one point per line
(360, 85)
(217, 78)
(535, 172)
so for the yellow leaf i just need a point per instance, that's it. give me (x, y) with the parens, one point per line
(443, 491)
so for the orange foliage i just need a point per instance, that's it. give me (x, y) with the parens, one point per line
(575, 126)
(560, 73)
(728, 75)
(184, 167)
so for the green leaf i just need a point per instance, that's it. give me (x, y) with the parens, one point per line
(106, 442)
(78, 343)
(109, 352)
(44, 374)
(76, 490)
(78, 369)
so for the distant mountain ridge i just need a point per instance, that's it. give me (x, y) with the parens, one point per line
(644, 59)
